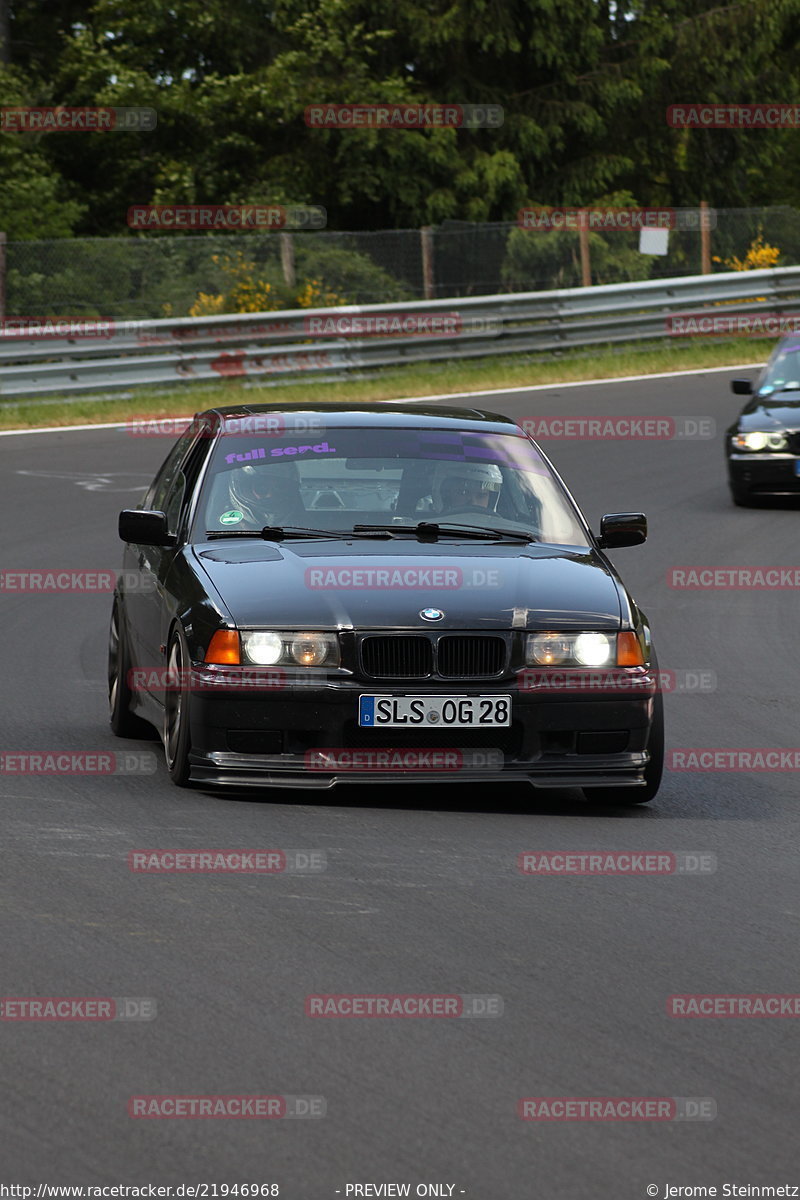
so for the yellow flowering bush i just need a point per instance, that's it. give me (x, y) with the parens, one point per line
(206, 305)
(315, 295)
(760, 255)
(248, 293)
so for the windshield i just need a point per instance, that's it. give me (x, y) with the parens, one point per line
(391, 476)
(783, 371)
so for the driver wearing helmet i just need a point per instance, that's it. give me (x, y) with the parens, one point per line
(266, 495)
(464, 485)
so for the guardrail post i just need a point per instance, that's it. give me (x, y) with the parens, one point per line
(287, 259)
(586, 262)
(705, 239)
(2, 275)
(429, 287)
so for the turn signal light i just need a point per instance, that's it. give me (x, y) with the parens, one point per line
(224, 648)
(629, 650)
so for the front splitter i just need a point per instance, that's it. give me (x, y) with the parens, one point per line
(268, 771)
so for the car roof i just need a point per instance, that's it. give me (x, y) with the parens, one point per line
(384, 415)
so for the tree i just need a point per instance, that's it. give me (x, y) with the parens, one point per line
(35, 200)
(585, 85)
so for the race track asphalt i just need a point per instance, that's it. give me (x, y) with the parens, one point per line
(421, 893)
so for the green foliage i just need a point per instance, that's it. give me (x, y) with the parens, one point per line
(348, 273)
(73, 277)
(141, 277)
(584, 84)
(34, 198)
(536, 261)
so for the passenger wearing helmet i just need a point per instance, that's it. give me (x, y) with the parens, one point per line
(267, 495)
(463, 486)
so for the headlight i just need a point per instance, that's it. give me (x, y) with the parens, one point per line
(592, 649)
(265, 649)
(572, 649)
(760, 441)
(311, 649)
(548, 649)
(270, 648)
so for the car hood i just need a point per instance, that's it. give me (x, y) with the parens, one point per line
(777, 411)
(316, 585)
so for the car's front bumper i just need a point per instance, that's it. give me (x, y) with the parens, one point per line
(774, 473)
(250, 770)
(308, 737)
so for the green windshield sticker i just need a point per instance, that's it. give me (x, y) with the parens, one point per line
(232, 517)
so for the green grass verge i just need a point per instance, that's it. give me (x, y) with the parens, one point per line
(454, 376)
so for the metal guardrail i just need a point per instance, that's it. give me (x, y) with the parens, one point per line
(288, 345)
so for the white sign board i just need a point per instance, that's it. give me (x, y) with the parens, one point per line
(653, 241)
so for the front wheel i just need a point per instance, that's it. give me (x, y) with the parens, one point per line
(177, 744)
(652, 772)
(742, 497)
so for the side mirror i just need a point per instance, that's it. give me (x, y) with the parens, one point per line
(145, 528)
(622, 529)
(741, 387)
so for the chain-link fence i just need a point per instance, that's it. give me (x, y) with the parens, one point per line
(173, 275)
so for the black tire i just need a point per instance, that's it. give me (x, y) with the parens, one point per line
(742, 497)
(177, 743)
(124, 723)
(652, 772)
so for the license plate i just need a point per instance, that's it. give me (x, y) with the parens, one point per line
(797, 466)
(428, 712)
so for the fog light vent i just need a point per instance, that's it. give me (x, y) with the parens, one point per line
(608, 741)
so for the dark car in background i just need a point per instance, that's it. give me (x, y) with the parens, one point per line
(762, 448)
(380, 595)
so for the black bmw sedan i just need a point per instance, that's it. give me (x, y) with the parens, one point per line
(762, 448)
(393, 594)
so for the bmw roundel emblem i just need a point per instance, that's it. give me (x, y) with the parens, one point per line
(431, 614)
